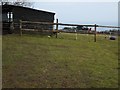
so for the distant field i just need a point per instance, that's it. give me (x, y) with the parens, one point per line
(42, 62)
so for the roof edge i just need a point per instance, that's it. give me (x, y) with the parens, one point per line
(29, 8)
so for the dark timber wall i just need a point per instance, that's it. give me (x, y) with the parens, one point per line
(32, 15)
(26, 14)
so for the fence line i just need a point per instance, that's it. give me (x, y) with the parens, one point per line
(108, 26)
(49, 23)
(57, 24)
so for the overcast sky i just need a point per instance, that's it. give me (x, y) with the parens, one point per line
(102, 13)
(82, 12)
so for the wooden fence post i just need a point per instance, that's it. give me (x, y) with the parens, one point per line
(20, 27)
(75, 34)
(56, 27)
(95, 33)
(11, 27)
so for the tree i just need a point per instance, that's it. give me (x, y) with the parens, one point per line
(67, 28)
(17, 3)
(79, 27)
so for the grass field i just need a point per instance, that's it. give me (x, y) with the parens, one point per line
(42, 62)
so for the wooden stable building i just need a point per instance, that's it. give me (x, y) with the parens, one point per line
(11, 15)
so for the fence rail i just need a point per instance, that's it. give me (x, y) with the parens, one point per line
(108, 26)
(57, 24)
(93, 25)
(43, 27)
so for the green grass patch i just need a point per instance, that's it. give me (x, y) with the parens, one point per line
(42, 62)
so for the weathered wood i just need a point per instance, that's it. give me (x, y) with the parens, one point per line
(12, 27)
(57, 23)
(95, 33)
(70, 24)
(28, 30)
(56, 27)
(107, 26)
(37, 30)
(20, 27)
(76, 34)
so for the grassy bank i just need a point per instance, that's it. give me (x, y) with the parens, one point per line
(42, 62)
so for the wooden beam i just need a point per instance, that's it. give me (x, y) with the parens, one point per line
(57, 23)
(95, 33)
(56, 27)
(107, 26)
(69, 24)
(20, 27)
